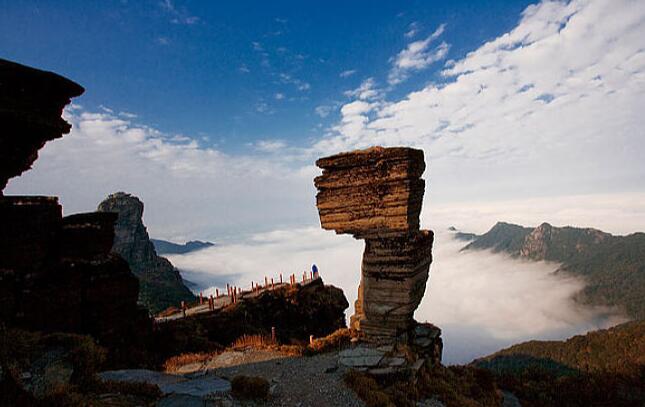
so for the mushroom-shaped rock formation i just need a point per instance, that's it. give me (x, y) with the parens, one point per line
(376, 195)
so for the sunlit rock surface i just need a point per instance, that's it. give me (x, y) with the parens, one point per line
(376, 195)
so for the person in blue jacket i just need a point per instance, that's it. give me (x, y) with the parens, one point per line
(314, 271)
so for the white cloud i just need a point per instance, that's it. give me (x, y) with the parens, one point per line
(190, 191)
(366, 91)
(270, 146)
(417, 56)
(299, 84)
(553, 107)
(323, 110)
(413, 30)
(347, 73)
(496, 300)
(178, 15)
(279, 96)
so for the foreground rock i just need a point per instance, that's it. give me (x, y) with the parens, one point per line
(56, 274)
(161, 283)
(198, 386)
(31, 103)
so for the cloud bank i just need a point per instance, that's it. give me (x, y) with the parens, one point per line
(551, 107)
(482, 301)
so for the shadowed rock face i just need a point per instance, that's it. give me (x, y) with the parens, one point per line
(57, 273)
(161, 283)
(31, 103)
(376, 195)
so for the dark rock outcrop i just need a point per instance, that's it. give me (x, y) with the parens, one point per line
(295, 311)
(161, 283)
(31, 103)
(376, 195)
(56, 274)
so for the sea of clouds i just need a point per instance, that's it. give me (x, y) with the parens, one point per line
(482, 301)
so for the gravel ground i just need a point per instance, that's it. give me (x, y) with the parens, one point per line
(296, 381)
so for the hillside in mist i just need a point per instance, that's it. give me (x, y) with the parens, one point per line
(613, 267)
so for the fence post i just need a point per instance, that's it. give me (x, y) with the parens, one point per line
(201, 299)
(273, 334)
(183, 308)
(217, 293)
(280, 278)
(272, 285)
(311, 340)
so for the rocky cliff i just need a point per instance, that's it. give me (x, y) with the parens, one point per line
(31, 103)
(56, 273)
(161, 283)
(612, 266)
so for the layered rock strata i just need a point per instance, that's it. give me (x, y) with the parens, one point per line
(376, 195)
(161, 283)
(371, 193)
(56, 273)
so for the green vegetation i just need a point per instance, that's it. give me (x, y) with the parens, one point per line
(620, 349)
(601, 368)
(503, 237)
(612, 266)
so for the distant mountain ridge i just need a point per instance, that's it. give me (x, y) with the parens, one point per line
(166, 247)
(613, 266)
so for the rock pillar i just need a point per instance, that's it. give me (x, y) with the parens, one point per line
(376, 195)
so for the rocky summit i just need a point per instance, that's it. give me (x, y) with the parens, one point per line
(376, 195)
(161, 283)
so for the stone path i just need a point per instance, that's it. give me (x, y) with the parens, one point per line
(192, 385)
(295, 381)
(315, 381)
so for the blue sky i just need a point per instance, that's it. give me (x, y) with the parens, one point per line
(232, 73)
(214, 114)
